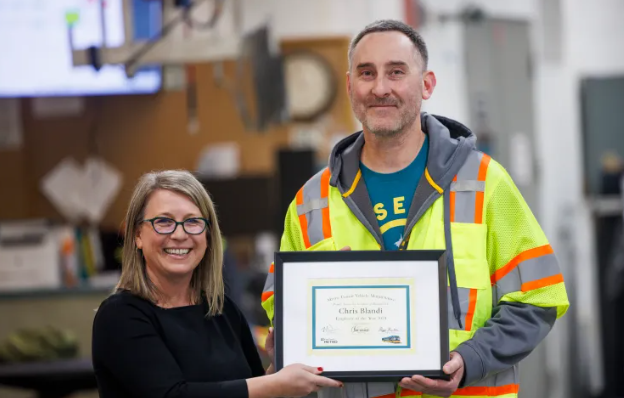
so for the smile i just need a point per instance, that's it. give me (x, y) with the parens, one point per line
(179, 252)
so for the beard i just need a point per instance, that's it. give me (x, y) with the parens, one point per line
(382, 127)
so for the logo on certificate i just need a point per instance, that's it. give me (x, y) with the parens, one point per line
(394, 339)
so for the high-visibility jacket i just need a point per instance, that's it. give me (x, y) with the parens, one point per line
(506, 286)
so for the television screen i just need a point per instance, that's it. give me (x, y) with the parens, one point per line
(35, 54)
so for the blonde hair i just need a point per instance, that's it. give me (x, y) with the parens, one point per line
(208, 275)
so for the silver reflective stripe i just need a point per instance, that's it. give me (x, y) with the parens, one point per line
(527, 271)
(313, 204)
(359, 390)
(468, 185)
(465, 205)
(466, 188)
(504, 378)
(464, 303)
(312, 194)
(269, 284)
(470, 169)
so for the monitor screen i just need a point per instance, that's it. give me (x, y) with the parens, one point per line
(35, 54)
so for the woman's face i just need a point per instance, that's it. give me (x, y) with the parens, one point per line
(174, 255)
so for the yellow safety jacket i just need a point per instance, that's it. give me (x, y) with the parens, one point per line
(506, 278)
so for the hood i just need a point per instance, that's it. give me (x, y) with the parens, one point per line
(449, 145)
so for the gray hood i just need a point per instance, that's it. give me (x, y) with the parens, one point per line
(450, 142)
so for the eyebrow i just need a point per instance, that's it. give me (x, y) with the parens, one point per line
(187, 216)
(389, 63)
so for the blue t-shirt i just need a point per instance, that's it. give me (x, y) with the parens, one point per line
(391, 195)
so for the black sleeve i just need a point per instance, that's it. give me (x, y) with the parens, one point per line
(127, 346)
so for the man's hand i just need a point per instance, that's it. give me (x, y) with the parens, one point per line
(442, 388)
(269, 345)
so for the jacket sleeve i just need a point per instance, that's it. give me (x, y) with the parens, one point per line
(291, 241)
(528, 288)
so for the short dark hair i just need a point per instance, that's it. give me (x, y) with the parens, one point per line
(389, 25)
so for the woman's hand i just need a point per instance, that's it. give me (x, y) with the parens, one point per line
(300, 380)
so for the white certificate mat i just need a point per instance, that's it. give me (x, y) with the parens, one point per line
(351, 315)
(361, 316)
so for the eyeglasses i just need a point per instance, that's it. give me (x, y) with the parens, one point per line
(167, 226)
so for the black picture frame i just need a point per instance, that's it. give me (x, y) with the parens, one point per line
(365, 256)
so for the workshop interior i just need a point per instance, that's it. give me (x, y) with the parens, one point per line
(250, 96)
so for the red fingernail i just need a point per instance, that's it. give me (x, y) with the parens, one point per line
(320, 369)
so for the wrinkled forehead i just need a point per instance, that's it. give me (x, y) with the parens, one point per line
(383, 48)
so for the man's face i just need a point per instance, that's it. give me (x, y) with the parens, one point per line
(386, 83)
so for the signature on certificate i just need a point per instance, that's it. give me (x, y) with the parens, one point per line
(388, 329)
(329, 329)
(360, 329)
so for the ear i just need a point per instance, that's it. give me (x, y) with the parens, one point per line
(349, 84)
(137, 239)
(429, 83)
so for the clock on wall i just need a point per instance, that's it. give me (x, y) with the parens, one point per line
(310, 85)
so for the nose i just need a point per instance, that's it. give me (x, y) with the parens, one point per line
(381, 87)
(178, 232)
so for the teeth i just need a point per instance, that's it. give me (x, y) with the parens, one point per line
(177, 251)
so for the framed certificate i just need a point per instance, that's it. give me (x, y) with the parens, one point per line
(362, 316)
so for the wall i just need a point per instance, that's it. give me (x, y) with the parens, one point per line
(136, 134)
(591, 42)
(572, 40)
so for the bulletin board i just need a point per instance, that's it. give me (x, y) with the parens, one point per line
(137, 134)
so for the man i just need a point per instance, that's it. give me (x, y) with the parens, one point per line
(412, 181)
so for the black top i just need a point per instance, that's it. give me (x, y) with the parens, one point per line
(142, 350)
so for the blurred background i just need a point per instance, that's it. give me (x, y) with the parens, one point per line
(250, 96)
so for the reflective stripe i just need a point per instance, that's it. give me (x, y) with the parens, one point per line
(467, 305)
(530, 270)
(503, 383)
(468, 185)
(266, 295)
(325, 211)
(303, 221)
(269, 284)
(452, 201)
(313, 209)
(487, 391)
(314, 204)
(468, 189)
(549, 280)
(485, 162)
(472, 305)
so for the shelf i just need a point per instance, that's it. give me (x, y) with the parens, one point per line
(60, 292)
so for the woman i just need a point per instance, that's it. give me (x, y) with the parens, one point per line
(169, 330)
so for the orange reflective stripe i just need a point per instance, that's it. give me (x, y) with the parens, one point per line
(488, 391)
(266, 295)
(525, 255)
(452, 203)
(472, 305)
(272, 268)
(549, 280)
(325, 211)
(407, 393)
(386, 396)
(485, 161)
(303, 221)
